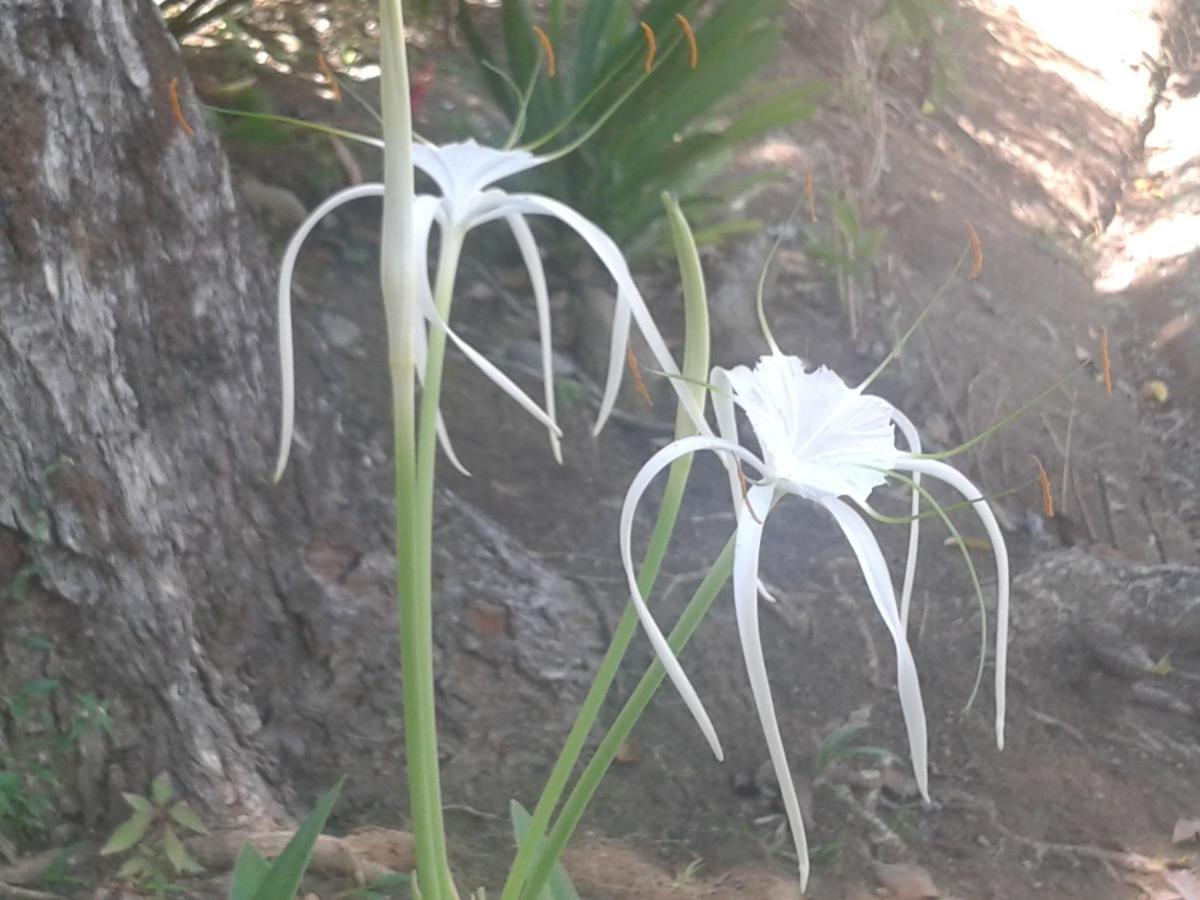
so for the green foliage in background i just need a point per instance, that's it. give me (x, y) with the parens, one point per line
(151, 835)
(184, 17)
(666, 134)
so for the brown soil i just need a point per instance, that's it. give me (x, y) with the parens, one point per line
(1039, 146)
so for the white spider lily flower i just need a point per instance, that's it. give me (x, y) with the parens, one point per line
(464, 173)
(823, 441)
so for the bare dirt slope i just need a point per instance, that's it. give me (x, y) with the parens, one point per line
(1063, 140)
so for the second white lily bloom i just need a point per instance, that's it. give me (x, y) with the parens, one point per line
(823, 441)
(464, 173)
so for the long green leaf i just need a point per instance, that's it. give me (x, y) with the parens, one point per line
(249, 872)
(558, 886)
(283, 879)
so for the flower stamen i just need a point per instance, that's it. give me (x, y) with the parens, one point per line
(690, 36)
(976, 251)
(635, 371)
(745, 486)
(1047, 491)
(1107, 362)
(327, 73)
(651, 46)
(548, 49)
(177, 109)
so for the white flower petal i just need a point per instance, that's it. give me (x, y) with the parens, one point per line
(486, 366)
(913, 439)
(821, 436)
(722, 403)
(633, 496)
(617, 345)
(627, 293)
(462, 170)
(879, 583)
(963, 485)
(541, 297)
(286, 353)
(752, 515)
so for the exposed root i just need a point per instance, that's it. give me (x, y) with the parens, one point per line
(363, 856)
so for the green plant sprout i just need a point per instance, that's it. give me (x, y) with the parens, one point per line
(254, 878)
(848, 255)
(151, 835)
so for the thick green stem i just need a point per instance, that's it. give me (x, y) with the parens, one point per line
(423, 749)
(398, 280)
(603, 758)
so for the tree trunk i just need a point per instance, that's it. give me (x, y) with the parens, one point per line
(241, 635)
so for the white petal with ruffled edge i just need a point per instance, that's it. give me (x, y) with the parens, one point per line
(816, 433)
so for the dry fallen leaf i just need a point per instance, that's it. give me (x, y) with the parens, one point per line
(906, 881)
(1186, 830)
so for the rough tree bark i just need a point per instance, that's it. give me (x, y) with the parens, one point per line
(242, 636)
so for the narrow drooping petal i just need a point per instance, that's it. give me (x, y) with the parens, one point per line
(420, 354)
(425, 212)
(879, 583)
(963, 485)
(752, 515)
(286, 271)
(492, 204)
(633, 496)
(722, 401)
(913, 439)
(618, 343)
(541, 298)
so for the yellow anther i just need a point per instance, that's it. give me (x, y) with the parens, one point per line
(329, 79)
(639, 383)
(690, 36)
(548, 49)
(651, 46)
